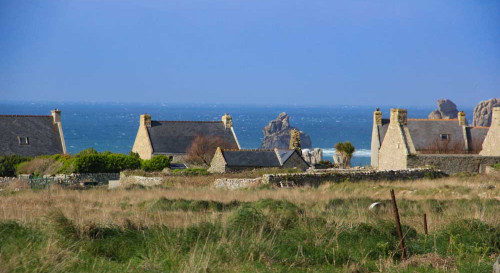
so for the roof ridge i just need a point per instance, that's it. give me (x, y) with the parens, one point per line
(437, 119)
(188, 121)
(24, 116)
(248, 150)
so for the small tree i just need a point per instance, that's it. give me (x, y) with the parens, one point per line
(345, 150)
(203, 148)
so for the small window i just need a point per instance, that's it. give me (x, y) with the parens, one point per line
(24, 140)
(445, 137)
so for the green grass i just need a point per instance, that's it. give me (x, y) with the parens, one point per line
(266, 235)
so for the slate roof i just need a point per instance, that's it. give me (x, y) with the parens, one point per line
(426, 133)
(42, 133)
(175, 137)
(251, 158)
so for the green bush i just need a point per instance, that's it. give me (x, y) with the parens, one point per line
(157, 163)
(497, 166)
(8, 164)
(105, 163)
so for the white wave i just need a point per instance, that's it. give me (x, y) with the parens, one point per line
(357, 153)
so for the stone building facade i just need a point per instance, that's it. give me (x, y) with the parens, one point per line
(174, 138)
(448, 144)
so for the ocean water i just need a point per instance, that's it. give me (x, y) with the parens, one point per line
(113, 126)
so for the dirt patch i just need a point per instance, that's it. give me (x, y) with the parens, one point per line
(429, 260)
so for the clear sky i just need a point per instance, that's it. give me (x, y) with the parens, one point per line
(265, 52)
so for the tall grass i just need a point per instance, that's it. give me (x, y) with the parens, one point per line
(201, 229)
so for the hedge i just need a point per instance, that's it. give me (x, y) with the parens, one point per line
(157, 163)
(8, 164)
(105, 163)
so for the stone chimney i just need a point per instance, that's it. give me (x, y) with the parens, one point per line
(295, 141)
(227, 120)
(461, 119)
(56, 115)
(145, 120)
(495, 117)
(399, 116)
(377, 117)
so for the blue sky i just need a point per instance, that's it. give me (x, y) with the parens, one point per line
(255, 52)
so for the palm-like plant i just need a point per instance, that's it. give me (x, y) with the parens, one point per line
(346, 149)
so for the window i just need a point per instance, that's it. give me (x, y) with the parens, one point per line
(445, 137)
(24, 140)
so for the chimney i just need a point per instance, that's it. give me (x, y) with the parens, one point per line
(227, 120)
(399, 116)
(56, 115)
(377, 117)
(295, 141)
(461, 119)
(145, 120)
(495, 117)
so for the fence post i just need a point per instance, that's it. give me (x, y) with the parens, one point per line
(425, 223)
(398, 226)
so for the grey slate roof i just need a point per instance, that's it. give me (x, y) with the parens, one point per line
(175, 137)
(251, 158)
(43, 135)
(425, 133)
(285, 154)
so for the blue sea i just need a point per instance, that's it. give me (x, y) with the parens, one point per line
(113, 126)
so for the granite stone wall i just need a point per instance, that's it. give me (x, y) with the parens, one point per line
(453, 163)
(235, 183)
(316, 179)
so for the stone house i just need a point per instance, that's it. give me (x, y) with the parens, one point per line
(173, 138)
(30, 135)
(448, 144)
(238, 160)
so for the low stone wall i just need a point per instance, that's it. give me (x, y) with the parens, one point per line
(452, 164)
(235, 183)
(102, 178)
(140, 180)
(7, 179)
(315, 179)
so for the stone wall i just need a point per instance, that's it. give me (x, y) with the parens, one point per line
(235, 183)
(316, 179)
(7, 179)
(142, 143)
(140, 180)
(491, 144)
(218, 164)
(453, 163)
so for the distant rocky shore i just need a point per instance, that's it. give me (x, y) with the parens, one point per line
(277, 134)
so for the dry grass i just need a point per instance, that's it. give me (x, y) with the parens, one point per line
(116, 207)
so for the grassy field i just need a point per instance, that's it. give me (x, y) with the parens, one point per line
(185, 225)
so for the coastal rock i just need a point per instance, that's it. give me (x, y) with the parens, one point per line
(277, 134)
(483, 110)
(446, 110)
(312, 157)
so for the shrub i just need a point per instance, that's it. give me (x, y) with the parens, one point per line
(157, 163)
(497, 166)
(89, 151)
(105, 163)
(203, 148)
(8, 164)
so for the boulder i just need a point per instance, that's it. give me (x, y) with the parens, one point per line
(446, 110)
(483, 110)
(277, 134)
(312, 157)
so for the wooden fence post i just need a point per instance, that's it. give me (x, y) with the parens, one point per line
(398, 226)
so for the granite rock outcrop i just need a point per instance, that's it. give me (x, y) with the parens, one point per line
(277, 134)
(483, 111)
(446, 110)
